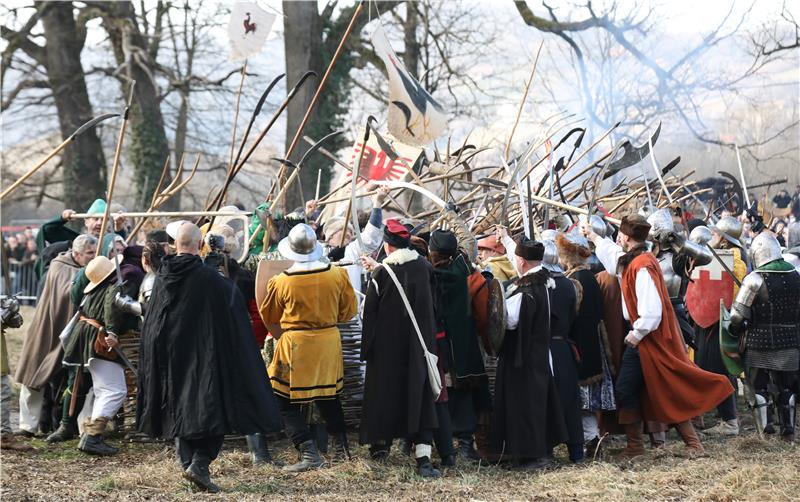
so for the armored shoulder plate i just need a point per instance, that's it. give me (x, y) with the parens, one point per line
(699, 252)
(751, 285)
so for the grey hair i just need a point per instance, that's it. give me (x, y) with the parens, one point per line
(83, 242)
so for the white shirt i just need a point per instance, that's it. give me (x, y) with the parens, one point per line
(648, 301)
(372, 237)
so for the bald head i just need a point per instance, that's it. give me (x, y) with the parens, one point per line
(189, 239)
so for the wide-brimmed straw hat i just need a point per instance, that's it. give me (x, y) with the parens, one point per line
(98, 270)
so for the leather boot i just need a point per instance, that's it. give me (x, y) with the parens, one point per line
(635, 445)
(341, 448)
(199, 475)
(259, 452)
(67, 430)
(9, 442)
(309, 458)
(425, 468)
(92, 441)
(466, 449)
(689, 436)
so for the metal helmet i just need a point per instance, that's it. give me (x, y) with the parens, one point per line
(301, 244)
(550, 258)
(647, 210)
(597, 224)
(793, 240)
(701, 234)
(661, 224)
(549, 235)
(729, 228)
(764, 249)
(578, 239)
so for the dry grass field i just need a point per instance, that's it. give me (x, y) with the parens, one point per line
(743, 468)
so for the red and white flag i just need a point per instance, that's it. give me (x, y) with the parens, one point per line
(248, 29)
(414, 117)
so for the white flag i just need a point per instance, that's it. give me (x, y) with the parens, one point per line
(414, 117)
(248, 29)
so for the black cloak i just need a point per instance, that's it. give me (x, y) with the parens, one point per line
(565, 368)
(398, 401)
(527, 416)
(585, 331)
(200, 371)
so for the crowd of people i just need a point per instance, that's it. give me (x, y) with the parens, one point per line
(587, 325)
(20, 252)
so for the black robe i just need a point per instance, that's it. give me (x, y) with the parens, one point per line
(565, 369)
(528, 420)
(398, 401)
(200, 372)
(585, 329)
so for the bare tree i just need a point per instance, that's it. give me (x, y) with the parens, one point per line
(56, 67)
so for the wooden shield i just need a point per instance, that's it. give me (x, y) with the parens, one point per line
(497, 318)
(267, 269)
(710, 284)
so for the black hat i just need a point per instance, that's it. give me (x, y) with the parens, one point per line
(529, 250)
(443, 242)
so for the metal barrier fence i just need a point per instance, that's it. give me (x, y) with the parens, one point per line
(22, 281)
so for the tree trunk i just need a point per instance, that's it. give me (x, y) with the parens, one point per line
(83, 160)
(303, 52)
(148, 149)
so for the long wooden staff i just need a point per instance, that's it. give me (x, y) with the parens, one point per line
(115, 167)
(85, 127)
(311, 107)
(522, 103)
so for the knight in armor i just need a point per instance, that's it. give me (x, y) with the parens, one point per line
(723, 236)
(765, 313)
(528, 421)
(792, 252)
(655, 361)
(676, 256)
(594, 376)
(302, 307)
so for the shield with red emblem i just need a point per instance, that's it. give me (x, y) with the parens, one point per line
(709, 286)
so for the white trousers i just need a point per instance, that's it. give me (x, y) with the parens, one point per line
(30, 407)
(110, 390)
(591, 429)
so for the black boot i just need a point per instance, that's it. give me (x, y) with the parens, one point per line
(67, 430)
(380, 452)
(341, 448)
(425, 468)
(95, 445)
(309, 458)
(448, 461)
(259, 452)
(198, 474)
(786, 411)
(466, 449)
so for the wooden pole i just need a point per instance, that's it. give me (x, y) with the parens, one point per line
(91, 123)
(115, 167)
(314, 99)
(522, 103)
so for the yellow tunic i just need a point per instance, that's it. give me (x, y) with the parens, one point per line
(307, 364)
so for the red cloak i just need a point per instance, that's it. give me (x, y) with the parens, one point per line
(676, 389)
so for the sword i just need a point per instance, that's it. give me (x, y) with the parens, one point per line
(741, 175)
(658, 173)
